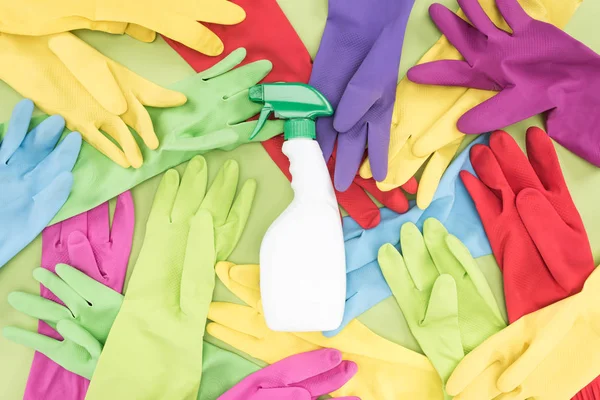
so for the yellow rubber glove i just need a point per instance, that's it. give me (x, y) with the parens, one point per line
(386, 371)
(549, 354)
(64, 75)
(140, 19)
(424, 119)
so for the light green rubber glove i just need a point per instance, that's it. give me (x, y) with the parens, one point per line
(447, 302)
(86, 321)
(212, 118)
(155, 345)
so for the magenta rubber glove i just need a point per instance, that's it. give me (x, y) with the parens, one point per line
(356, 68)
(303, 376)
(88, 243)
(537, 68)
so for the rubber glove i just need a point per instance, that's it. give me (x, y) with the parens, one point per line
(221, 369)
(189, 227)
(424, 121)
(302, 376)
(548, 354)
(278, 41)
(441, 292)
(175, 20)
(501, 67)
(90, 90)
(217, 98)
(531, 220)
(385, 369)
(365, 285)
(356, 68)
(36, 177)
(84, 320)
(87, 243)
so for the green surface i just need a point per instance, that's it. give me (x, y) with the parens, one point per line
(162, 65)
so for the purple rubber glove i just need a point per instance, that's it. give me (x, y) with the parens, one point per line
(537, 68)
(88, 243)
(303, 376)
(356, 68)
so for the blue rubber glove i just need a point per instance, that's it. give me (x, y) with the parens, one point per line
(365, 285)
(35, 177)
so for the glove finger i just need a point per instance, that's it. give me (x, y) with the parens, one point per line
(48, 202)
(60, 161)
(326, 136)
(241, 79)
(229, 234)
(240, 319)
(80, 336)
(185, 30)
(435, 168)
(450, 73)
(121, 231)
(219, 12)
(358, 205)
(98, 224)
(481, 387)
(220, 196)
(411, 186)
(350, 152)
(140, 33)
(513, 14)
(478, 17)
(104, 145)
(198, 277)
(116, 128)
(332, 379)
(77, 223)
(81, 256)
(544, 161)
(549, 232)
(228, 63)
(489, 207)
(38, 143)
(164, 198)
(38, 307)
(191, 191)
(395, 199)
(354, 104)
(466, 38)
(490, 174)
(434, 234)
(74, 288)
(241, 280)
(96, 77)
(17, 129)
(137, 117)
(514, 164)
(46, 345)
(504, 109)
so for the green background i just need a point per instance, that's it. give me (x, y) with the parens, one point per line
(159, 63)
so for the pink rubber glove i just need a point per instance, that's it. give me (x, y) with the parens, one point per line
(537, 68)
(303, 376)
(86, 242)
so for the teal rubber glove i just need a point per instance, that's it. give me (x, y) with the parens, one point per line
(212, 118)
(35, 177)
(84, 321)
(447, 302)
(155, 346)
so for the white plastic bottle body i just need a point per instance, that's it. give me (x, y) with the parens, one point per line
(302, 258)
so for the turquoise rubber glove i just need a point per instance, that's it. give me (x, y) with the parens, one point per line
(84, 321)
(35, 177)
(155, 346)
(447, 302)
(365, 285)
(212, 118)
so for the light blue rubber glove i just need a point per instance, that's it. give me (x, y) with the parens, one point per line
(35, 177)
(365, 285)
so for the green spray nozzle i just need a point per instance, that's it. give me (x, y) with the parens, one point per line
(299, 104)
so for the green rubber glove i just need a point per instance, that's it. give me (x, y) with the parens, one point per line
(447, 302)
(155, 345)
(212, 118)
(84, 321)
(92, 308)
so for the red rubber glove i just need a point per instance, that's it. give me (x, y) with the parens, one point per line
(536, 233)
(535, 230)
(267, 34)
